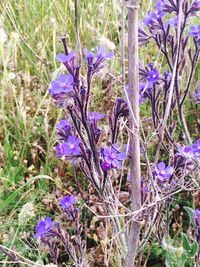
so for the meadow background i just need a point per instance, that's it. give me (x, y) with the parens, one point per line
(30, 33)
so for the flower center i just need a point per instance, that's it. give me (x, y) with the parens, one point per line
(71, 146)
(63, 85)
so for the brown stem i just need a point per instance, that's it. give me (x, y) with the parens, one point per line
(133, 75)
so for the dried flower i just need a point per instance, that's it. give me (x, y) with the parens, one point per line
(26, 213)
(3, 36)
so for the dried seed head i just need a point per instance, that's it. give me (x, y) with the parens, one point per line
(26, 213)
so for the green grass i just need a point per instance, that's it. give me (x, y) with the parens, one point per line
(28, 166)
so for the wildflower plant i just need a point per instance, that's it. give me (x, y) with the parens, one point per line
(101, 160)
(52, 234)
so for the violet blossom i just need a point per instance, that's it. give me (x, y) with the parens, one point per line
(43, 227)
(69, 148)
(68, 201)
(96, 116)
(97, 61)
(153, 75)
(68, 61)
(195, 6)
(63, 125)
(185, 151)
(160, 5)
(197, 217)
(196, 149)
(112, 158)
(173, 22)
(163, 172)
(62, 86)
(197, 95)
(195, 33)
(152, 17)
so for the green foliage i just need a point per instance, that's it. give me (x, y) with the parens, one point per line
(179, 253)
(190, 212)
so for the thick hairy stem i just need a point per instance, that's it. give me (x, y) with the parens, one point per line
(133, 75)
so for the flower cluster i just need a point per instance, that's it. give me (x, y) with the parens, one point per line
(79, 134)
(52, 234)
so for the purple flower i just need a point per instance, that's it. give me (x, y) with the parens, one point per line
(195, 33)
(196, 149)
(106, 166)
(197, 217)
(101, 54)
(66, 58)
(67, 201)
(163, 172)
(68, 61)
(63, 125)
(173, 22)
(167, 76)
(160, 5)
(153, 75)
(97, 116)
(69, 148)
(141, 99)
(112, 157)
(150, 18)
(195, 6)
(43, 227)
(62, 86)
(197, 95)
(64, 129)
(96, 61)
(185, 151)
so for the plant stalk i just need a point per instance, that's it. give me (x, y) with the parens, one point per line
(133, 76)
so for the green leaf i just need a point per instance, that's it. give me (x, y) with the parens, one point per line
(194, 249)
(190, 212)
(183, 259)
(186, 243)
